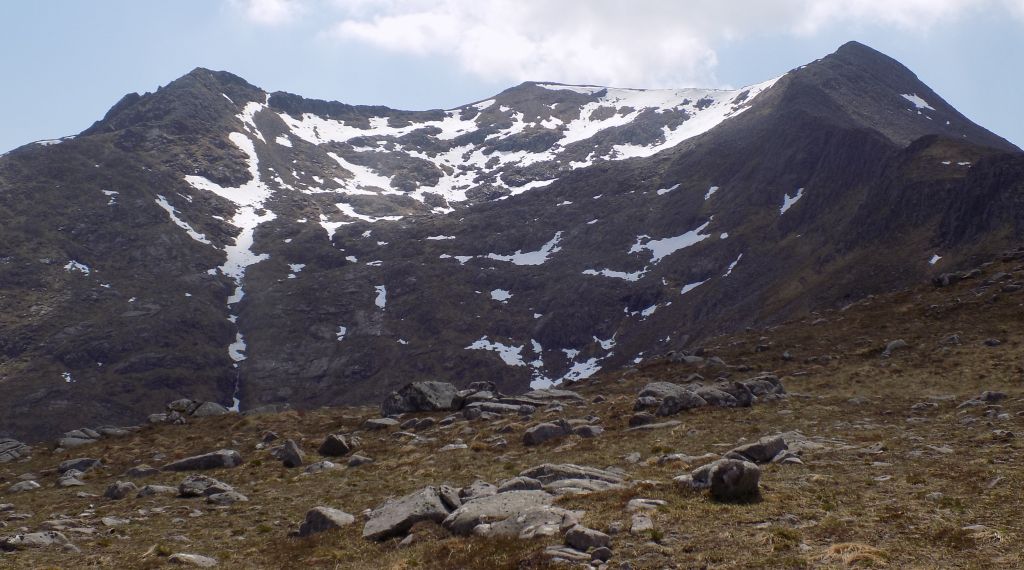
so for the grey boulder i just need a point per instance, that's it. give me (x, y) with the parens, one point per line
(320, 519)
(426, 396)
(395, 518)
(494, 508)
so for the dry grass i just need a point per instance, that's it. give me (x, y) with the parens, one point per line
(888, 488)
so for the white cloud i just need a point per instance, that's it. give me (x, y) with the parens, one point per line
(271, 12)
(648, 43)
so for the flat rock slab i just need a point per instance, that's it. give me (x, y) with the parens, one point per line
(396, 517)
(531, 523)
(222, 459)
(494, 508)
(550, 472)
(47, 539)
(11, 449)
(196, 560)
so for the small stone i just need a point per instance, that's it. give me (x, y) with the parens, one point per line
(602, 554)
(141, 471)
(375, 424)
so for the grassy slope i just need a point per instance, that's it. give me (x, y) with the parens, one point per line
(846, 505)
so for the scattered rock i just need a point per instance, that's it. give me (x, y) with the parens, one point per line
(395, 518)
(45, 539)
(728, 479)
(761, 451)
(119, 490)
(893, 346)
(520, 484)
(209, 409)
(543, 432)
(583, 538)
(335, 445)
(494, 508)
(226, 498)
(201, 485)
(357, 460)
(151, 490)
(375, 424)
(11, 449)
(421, 397)
(141, 471)
(82, 464)
(23, 487)
(291, 455)
(320, 519)
(320, 467)
(222, 459)
(196, 560)
(531, 523)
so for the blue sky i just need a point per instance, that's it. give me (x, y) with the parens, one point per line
(66, 62)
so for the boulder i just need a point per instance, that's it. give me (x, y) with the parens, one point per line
(151, 490)
(335, 445)
(140, 471)
(202, 486)
(476, 490)
(291, 455)
(320, 467)
(47, 539)
(493, 509)
(357, 460)
(427, 396)
(661, 390)
(728, 479)
(226, 498)
(685, 400)
(83, 464)
(764, 385)
(583, 538)
(717, 397)
(546, 431)
(375, 424)
(23, 486)
(183, 406)
(550, 472)
(208, 409)
(119, 490)
(395, 518)
(761, 451)
(320, 519)
(197, 560)
(520, 484)
(588, 431)
(221, 459)
(11, 449)
(531, 523)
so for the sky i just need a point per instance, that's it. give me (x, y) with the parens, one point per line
(65, 62)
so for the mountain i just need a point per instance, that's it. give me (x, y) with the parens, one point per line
(214, 241)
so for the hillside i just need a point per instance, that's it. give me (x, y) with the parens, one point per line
(900, 414)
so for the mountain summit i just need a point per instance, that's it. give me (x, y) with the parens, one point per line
(214, 241)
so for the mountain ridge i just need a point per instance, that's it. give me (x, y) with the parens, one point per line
(488, 241)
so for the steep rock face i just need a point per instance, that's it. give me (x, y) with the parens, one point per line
(216, 242)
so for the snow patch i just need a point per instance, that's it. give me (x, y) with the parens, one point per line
(501, 295)
(663, 191)
(173, 215)
(510, 355)
(917, 101)
(711, 192)
(660, 248)
(788, 201)
(283, 141)
(690, 287)
(530, 257)
(733, 266)
(382, 296)
(76, 266)
(935, 259)
(340, 334)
